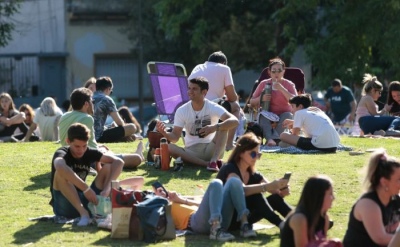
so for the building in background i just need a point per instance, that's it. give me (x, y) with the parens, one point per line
(59, 44)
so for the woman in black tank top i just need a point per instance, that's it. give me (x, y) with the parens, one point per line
(374, 217)
(309, 221)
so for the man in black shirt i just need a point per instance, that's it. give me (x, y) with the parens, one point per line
(70, 166)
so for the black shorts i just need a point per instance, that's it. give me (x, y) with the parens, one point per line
(112, 135)
(305, 143)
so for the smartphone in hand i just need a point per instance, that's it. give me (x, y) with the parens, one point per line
(157, 185)
(286, 176)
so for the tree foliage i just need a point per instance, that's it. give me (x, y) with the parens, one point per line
(7, 9)
(342, 39)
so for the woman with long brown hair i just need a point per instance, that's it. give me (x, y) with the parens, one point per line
(241, 166)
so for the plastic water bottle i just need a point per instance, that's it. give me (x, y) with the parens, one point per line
(265, 104)
(198, 190)
(274, 85)
(157, 159)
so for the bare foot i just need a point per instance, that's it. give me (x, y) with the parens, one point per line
(139, 150)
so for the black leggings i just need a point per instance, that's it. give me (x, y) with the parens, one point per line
(263, 208)
(9, 130)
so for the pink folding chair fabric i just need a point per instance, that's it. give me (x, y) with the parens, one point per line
(170, 86)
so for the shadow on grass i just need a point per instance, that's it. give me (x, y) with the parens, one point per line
(35, 232)
(188, 172)
(262, 239)
(39, 182)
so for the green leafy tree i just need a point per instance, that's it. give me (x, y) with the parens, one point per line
(342, 39)
(355, 37)
(189, 31)
(7, 9)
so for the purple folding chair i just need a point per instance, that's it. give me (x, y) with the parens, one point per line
(170, 86)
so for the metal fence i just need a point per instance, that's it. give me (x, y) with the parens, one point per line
(19, 76)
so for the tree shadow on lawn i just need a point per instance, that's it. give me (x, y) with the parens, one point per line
(262, 239)
(35, 232)
(39, 182)
(191, 172)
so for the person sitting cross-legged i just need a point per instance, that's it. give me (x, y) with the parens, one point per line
(70, 166)
(82, 109)
(320, 134)
(104, 105)
(205, 137)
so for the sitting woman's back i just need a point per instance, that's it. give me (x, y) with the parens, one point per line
(47, 118)
(309, 222)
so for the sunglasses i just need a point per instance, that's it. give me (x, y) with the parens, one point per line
(276, 71)
(254, 154)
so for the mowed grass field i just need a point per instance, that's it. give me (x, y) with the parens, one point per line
(25, 178)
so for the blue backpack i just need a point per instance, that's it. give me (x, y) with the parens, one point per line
(155, 219)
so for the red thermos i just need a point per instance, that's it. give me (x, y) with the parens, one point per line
(164, 154)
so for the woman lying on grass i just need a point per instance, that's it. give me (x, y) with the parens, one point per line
(309, 222)
(206, 217)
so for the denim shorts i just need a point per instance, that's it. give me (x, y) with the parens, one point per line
(62, 207)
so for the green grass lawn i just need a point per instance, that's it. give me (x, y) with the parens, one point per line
(24, 192)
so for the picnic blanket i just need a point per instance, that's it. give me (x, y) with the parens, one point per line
(296, 150)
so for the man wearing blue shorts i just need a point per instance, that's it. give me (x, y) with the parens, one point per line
(70, 166)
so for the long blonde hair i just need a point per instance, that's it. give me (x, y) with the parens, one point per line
(379, 165)
(11, 106)
(370, 82)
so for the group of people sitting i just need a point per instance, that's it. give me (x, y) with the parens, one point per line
(234, 200)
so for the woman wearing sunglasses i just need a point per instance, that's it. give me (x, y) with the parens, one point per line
(370, 119)
(282, 91)
(241, 169)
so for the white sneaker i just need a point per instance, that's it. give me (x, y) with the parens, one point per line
(221, 235)
(247, 231)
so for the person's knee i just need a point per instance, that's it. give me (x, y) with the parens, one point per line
(234, 183)
(286, 115)
(284, 136)
(173, 149)
(216, 184)
(130, 129)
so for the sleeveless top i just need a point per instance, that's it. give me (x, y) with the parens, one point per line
(356, 234)
(287, 235)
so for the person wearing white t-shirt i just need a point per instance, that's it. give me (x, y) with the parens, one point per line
(46, 119)
(219, 76)
(320, 134)
(206, 124)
